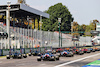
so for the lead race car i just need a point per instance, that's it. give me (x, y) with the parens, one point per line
(66, 53)
(48, 56)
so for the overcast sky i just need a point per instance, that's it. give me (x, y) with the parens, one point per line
(83, 11)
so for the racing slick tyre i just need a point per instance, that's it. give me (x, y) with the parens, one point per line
(39, 54)
(38, 59)
(80, 53)
(53, 58)
(57, 58)
(72, 55)
(14, 57)
(29, 54)
(34, 54)
(19, 57)
(93, 50)
(89, 52)
(24, 55)
(8, 57)
(68, 55)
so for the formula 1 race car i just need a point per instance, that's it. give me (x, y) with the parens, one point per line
(53, 51)
(79, 51)
(48, 56)
(31, 51)
(16, 55)
(91, 49)
(87, 50)
(59, 50)
(97, 48)
(71, 50)
(66, 53)
(36, 53)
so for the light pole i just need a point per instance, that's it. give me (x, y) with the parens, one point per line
(72, 31)
(35, 37)
(59, 21)
(41, 29)
(61, 38)
(8, 22)
(28, 31)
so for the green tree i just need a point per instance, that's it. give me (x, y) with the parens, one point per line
(95, 22)
(75, 26)
(55, 12)
(90, 27)
(83, 27)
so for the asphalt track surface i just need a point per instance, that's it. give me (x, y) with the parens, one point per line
(32, 61)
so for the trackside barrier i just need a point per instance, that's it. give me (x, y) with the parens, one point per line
(31, 50)
(5, 51)
(22, 50)
(27, 50)
(17, 50)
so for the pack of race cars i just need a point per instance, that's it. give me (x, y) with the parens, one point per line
(54, 54)
(16, 55)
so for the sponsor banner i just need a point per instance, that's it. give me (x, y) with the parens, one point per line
(27, 50)
(31, 50)
(5, 52)
(22, 50)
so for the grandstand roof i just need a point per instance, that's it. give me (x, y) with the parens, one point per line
(23, 9)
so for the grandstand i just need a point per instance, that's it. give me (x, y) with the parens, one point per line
(21, 16)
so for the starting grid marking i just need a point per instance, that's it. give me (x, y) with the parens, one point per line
(78, 60)
(93, 64)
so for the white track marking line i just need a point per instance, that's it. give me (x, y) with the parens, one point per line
(76, 60)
